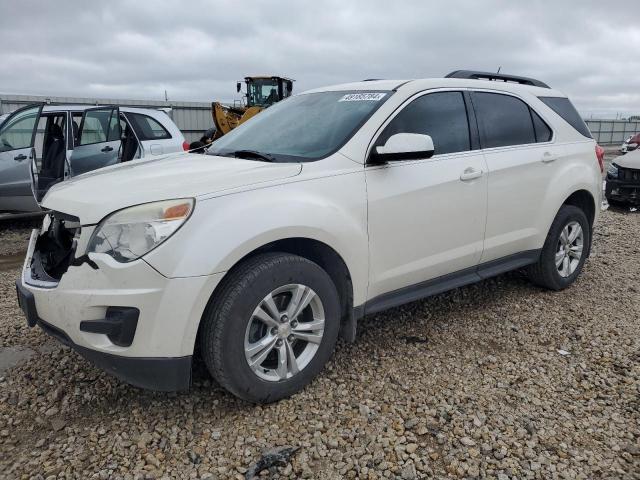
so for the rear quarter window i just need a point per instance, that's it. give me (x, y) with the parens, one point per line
(563, 107)
(543, 132)
(147, 128)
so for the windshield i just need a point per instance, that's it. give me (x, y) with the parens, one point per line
(302, 128)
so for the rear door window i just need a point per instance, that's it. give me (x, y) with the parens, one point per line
(503, 120)
(147, 128)
(441, 115)
(563, 107)
(99, 126)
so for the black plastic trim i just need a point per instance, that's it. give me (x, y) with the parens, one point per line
(27, 304)
(378, 158)
(447, 282)
(64, 216)
(119, 325)
(477, 75)
(167, 374)
(472, 120)
(506, 264)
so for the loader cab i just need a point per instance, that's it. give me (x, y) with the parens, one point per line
(265, 91)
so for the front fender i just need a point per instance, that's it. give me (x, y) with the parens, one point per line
(225, 229)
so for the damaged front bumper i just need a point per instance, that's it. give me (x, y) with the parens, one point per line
(126, 318)
(622, 191)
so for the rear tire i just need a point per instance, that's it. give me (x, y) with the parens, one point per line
(569, 236)
(271, 327)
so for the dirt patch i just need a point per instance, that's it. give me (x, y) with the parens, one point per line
(12, 261)
(14, 235)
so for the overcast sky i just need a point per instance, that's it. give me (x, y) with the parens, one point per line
(196, 50)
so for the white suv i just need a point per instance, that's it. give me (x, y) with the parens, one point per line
(331, 205)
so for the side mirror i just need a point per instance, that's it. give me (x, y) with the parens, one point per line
(404, 146)
(238, 87)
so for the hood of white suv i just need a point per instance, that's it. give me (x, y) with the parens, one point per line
(94, 195)
(630, 160)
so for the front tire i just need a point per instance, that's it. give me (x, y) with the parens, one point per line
(271, 328)
(565, 250)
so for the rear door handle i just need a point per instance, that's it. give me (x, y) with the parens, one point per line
(548, 157)
(20, 157)
(470, 174)
(107, 149)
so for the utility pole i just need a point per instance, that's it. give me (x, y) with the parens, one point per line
(166, 97)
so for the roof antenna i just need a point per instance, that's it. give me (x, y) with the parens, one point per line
(499, 68)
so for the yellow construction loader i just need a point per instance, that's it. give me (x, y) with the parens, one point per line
(262, 92)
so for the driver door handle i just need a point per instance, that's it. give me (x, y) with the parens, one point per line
(107, 149)
(470, 173)
(20, 158)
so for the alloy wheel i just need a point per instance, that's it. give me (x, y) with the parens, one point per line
(570, 249)
(284, 332)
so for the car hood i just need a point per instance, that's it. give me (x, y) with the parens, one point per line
(630, 160)
(94, 195)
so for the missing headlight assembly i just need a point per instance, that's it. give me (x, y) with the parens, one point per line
(55, 248)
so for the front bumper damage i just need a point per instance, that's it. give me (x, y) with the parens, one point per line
(126, 318)
(625, 188)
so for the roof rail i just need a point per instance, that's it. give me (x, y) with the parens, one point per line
(474, 75)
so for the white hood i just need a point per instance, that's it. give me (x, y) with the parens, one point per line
(94, 195)
(630, 160)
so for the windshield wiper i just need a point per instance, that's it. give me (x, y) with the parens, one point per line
(249, 154)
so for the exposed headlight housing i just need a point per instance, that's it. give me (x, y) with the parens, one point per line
(612, 171)
(129, 234)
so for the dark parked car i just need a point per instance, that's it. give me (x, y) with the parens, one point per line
(623, 180)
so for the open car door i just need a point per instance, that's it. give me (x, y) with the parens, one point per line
(99, 140)
(17, 137)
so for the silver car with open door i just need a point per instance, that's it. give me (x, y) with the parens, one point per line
(17, 137)
(42, 146)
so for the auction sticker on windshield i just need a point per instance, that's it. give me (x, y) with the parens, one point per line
(363, 97)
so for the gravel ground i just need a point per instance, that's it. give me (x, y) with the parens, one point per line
(463, 385)
(14, 234)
